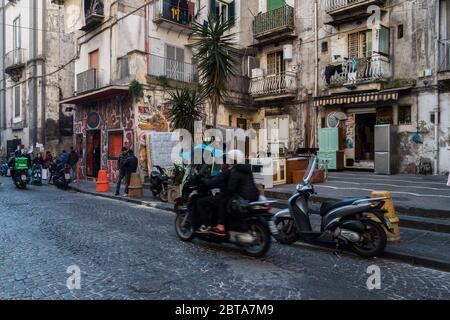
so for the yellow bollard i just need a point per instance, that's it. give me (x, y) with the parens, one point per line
(135, 188)
(390, 214)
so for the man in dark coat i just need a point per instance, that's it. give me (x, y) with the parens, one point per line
(130, 167)
(121, 163)
(72, 161)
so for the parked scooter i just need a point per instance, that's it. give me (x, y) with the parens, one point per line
(4, 169)
(159, 184)
(248, 226)
(36, 175)
(356, 222)
(20, 172)
(61, 175)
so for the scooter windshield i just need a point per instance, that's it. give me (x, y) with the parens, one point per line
(310, 170)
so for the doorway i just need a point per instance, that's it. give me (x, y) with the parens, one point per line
(93, 153)
(365, 139)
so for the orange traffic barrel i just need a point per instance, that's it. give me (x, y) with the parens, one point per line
(102, 181)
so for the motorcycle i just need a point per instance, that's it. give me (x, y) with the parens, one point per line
(36, 175)
(61, 176)
(21, 178)
(159, 184)
(249, 225)
(356, 222)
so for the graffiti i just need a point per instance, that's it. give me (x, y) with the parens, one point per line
(350, 131)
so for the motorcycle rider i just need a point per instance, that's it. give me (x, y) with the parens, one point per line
(239, 184)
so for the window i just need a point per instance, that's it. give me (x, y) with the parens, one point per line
(223, 10)
(360, 44)
(17, 99)
(275, 63)
(384, 41)
(16, 33)
(324, 46)
(400, 31)
(404, 115)
(115, 144)
(174, 64)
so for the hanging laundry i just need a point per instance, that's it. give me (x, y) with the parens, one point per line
(329, 72)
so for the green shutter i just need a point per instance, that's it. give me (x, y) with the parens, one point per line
(232, 12)
(384, 41)
(275, 4)
(212, 8)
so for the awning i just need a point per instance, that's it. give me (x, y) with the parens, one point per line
(356, 98)
(96, 95)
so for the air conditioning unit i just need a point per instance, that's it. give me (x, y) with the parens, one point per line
(257, 73)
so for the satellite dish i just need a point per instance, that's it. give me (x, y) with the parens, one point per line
(341, 116)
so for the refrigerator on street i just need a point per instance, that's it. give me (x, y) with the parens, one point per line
(386, 149)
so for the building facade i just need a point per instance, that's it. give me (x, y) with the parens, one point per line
(386, 62)
(34, 48)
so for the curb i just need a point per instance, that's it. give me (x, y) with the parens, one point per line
(414, 260)
(155, 204)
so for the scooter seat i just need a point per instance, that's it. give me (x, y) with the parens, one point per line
(327, 206)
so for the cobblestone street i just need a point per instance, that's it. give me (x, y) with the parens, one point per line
(126, 251)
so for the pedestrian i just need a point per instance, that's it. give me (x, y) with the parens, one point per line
(48, 159)
(72, 161)
(122, 159)
(130, 167)
(39, 160)
(63, 157)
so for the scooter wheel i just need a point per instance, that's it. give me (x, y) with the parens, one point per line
(287, 232)
(374, 240)
(184, 232)
(263, 240)
(164, 196)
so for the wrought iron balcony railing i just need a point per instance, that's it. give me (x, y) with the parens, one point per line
(172, 69)
(15, 58)
(180, 12)
(276, 84)
(274, 21)
(88, 81)
(333, 5)
(364, 70)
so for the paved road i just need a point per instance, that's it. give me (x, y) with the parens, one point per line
(126, 251)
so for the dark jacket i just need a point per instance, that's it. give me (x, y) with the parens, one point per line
(122, 160)
(241, 182)
(38, 161)
(220, 181)
(131, 164)
(72, 159)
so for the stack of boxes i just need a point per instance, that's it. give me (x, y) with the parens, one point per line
(331, 147)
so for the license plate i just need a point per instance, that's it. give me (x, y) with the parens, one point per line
(273, 228)
(67, 176)
(23, 177)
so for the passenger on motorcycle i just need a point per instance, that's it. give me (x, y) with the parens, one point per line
(237, 182)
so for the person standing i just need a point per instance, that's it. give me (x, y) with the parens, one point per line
(63, 157)
(72, 161)
(130, 167)
(122, 159)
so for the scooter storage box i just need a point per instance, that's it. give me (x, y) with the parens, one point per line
(21, 163)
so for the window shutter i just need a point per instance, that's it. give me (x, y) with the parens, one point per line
(170, 52)
(384, 41)
(17, 101)
(212, 8)
(353, 45)
(232, 12)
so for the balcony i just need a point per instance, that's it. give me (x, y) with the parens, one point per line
(88, 81)
(238, 84)
(274, 25)
(15, 61)
(94, 14)
(175, 15)
(365, 71)
(348, 10)
(271, 87)
(172, 69)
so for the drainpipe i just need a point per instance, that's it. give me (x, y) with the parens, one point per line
(436, 83)
(43, 71)
(316, 70)
(32, 107)
(3, 78)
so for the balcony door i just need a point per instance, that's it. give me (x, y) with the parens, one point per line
(275, 4)
(94, 63)
(174, 64)
(275, 63)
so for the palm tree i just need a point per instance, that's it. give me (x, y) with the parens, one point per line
(214, 45)
(185, 109)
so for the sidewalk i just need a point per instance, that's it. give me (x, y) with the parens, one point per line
(425, 196)
(419, 247)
